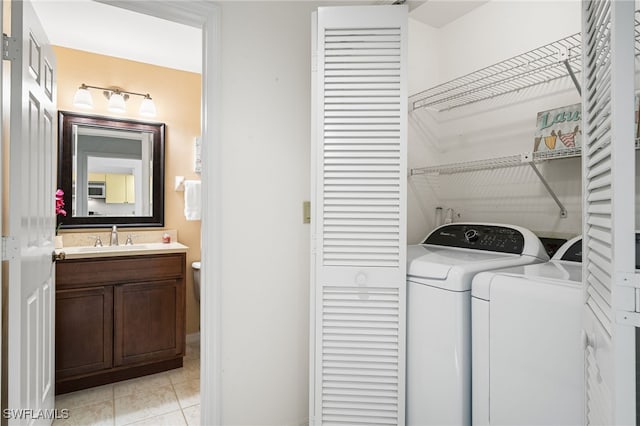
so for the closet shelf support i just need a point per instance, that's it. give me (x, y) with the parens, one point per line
(573, 76)
(563, 210)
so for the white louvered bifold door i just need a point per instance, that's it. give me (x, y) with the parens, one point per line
(609, 207)
(359, 225)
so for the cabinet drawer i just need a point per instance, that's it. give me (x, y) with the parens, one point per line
(100, 271)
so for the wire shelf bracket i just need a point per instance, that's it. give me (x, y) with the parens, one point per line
(563, 210)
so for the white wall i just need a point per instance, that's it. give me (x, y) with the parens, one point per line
(265, 145)
(502, 126)
(501, 29)
(424, 51)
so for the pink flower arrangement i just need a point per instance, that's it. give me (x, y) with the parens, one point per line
(59, 207)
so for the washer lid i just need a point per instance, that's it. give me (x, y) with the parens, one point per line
(425, 261)
(555, 271)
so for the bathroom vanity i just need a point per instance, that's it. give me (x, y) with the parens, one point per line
(120, 313)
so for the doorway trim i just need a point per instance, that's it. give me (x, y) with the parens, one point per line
(206, 16)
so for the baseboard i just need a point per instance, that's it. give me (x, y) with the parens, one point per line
(193, 337)
(116, 374)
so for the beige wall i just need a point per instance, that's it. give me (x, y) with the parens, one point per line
(177, 98)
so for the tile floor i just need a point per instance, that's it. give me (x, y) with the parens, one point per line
(171, 398)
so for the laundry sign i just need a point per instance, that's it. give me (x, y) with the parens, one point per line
(558, 129)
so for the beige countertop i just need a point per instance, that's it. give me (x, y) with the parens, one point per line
(80, 252)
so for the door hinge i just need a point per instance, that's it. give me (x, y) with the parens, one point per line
(628, 318)
(9, 248)
(10, 48)
(629, 279)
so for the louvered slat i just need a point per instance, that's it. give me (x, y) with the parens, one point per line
(598, 396)
(345, 51)
(598, 159)
(361, 348)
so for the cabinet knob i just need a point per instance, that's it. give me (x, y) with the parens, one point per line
(58, 256)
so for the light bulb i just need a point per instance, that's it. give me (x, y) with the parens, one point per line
(116, 103)
(147, 107)
(82, 98)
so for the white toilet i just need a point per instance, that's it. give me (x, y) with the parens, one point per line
(196, 279)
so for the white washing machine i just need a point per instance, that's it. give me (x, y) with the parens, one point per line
(527, 353)
(528, 362)
(439, 275)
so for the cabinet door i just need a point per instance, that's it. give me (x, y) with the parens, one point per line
(130, 189)
(96, 177)
(116, 188)
(84, 330)
(149, 320)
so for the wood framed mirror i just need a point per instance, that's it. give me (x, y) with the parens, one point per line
(111, 171)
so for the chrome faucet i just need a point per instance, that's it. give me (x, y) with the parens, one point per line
(114, 235)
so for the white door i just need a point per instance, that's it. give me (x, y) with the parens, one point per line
(609, 208)
(31, 220)
(359, 229)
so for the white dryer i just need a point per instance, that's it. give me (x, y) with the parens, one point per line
(527, 353)
(527, 349)
(439, 275)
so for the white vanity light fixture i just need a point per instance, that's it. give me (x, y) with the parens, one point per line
(117, 99)
(147, 107)
(82, 98)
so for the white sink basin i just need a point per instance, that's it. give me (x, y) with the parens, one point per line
(108, 248)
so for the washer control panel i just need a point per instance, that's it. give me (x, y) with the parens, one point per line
(573, 253)
(502, 239)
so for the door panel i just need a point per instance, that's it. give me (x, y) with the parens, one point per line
(608, 161)
(31, 217)
(359, 232)
(84, 330)
(149, 321)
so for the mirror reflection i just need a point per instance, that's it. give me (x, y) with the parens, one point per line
(111, 167)
(111, 171)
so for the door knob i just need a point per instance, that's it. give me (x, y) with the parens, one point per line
(57, 256)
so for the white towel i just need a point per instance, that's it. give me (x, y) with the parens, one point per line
(192, 200)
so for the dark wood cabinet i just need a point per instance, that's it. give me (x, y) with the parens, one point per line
(84, 330)
(156, 308)
(118, 318)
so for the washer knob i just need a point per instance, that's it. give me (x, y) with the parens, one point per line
(471, 235)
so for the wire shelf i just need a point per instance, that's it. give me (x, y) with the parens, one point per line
(469, 166)
(501, 162)
(542, 65)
